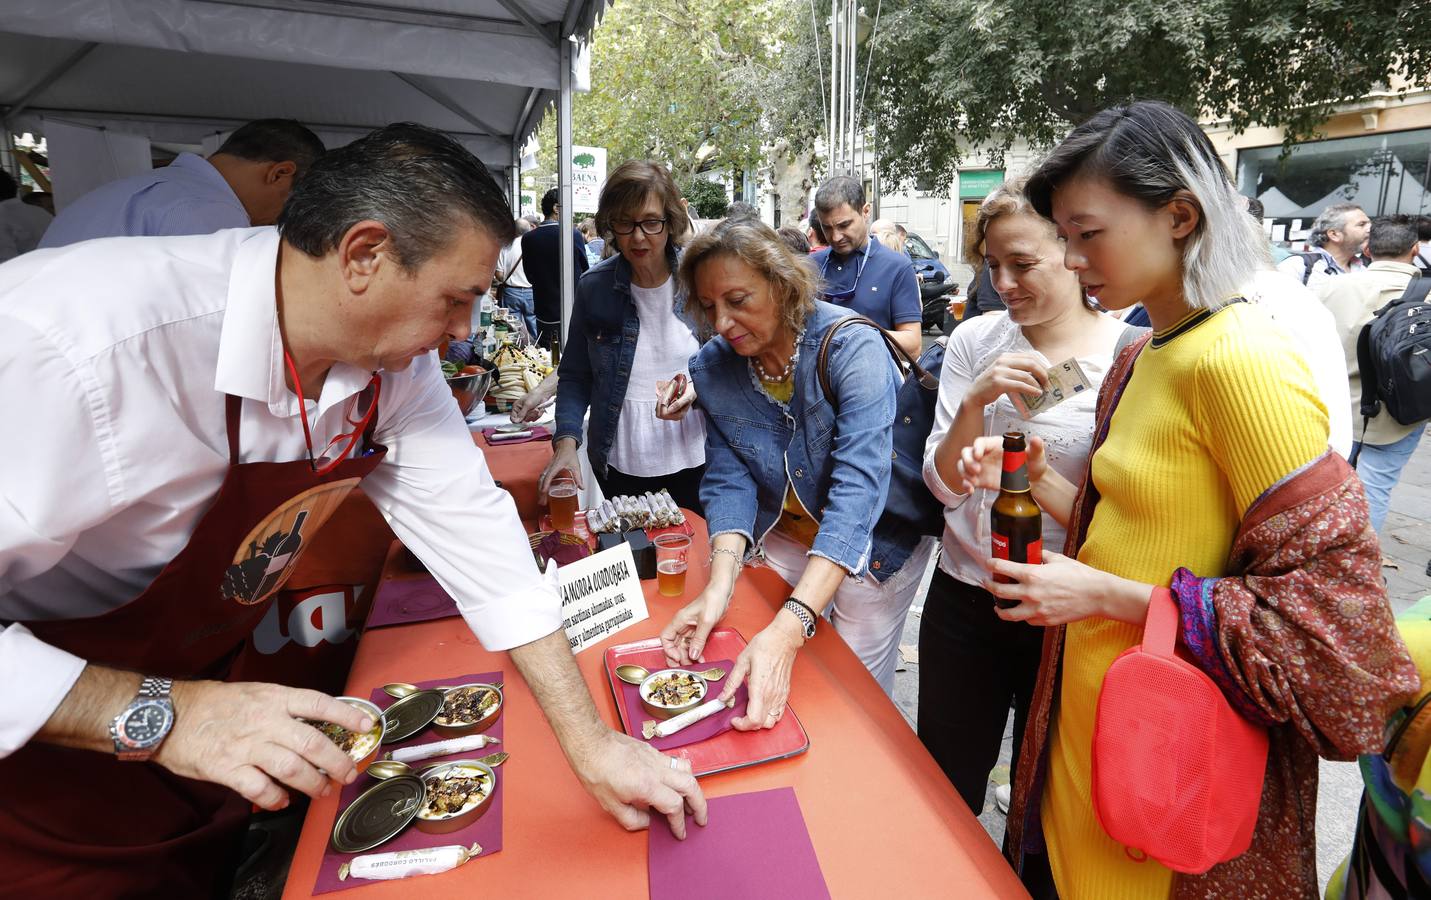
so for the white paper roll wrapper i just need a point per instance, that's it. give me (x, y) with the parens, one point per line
(690, 717)
(443, 748)
(405, 863)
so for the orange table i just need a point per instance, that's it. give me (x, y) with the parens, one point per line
(884, 820)
(518, 467)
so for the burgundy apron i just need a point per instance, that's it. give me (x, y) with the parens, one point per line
(75, 823)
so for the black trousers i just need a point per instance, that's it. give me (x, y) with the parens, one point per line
(972, 667)
(685, 486)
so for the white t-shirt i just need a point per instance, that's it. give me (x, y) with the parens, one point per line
(1313, 331)
(644, 445)
(1066, 430)
(511, 265)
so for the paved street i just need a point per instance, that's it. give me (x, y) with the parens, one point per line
(1406, 546)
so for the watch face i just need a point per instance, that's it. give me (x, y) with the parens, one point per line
(145, 724)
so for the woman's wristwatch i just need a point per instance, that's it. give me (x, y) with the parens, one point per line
(805, 614)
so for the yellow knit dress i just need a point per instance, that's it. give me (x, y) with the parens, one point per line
(1219, 408)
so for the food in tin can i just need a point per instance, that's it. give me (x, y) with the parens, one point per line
(675, 689)
(469, 704)
(454, 791)
(358, 745)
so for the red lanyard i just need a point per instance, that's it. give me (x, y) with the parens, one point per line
(323, 465)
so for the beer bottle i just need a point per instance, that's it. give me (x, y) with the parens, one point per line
(1015, 521)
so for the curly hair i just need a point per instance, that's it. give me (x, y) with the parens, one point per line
(792, 282)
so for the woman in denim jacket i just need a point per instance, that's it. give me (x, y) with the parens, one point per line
(789, 476)
(629, 336)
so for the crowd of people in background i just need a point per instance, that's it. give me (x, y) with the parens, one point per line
(1226, 398)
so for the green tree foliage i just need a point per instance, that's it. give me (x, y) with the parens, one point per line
(950, 75)
(697, 85)
(706, 198)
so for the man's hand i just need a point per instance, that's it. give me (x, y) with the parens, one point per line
(626, 776)
(248, 737)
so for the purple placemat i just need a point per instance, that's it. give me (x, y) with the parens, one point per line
(486, 831)
(538, 434)
(755, 845)
(706, 728)
(410, 599)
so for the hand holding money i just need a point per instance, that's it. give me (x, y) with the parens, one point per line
(1015, 374)
(1064, 381)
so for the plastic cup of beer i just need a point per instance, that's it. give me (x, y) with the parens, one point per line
(671, 552)
(561, 502)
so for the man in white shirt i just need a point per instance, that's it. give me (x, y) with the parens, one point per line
(21, 224)
(136, 413)
(1338, 235)
(243, 183)
(1386, 444)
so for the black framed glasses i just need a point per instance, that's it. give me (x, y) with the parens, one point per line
(650, 226)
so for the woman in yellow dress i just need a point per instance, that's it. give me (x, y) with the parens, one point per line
(1199, 428)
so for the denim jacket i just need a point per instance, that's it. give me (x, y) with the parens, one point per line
(838, 462)
(600, 347)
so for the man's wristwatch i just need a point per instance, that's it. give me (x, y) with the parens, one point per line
(138, 731)
(805, 614)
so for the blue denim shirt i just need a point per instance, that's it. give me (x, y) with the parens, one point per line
(600, 347)
(837, 461)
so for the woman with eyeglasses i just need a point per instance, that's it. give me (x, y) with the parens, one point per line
(629, 338)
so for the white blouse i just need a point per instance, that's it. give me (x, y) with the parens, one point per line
(1066, 429)
(644, 445)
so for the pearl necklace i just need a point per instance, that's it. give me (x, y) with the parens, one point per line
(785, 373)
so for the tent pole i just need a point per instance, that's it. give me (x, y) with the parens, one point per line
(514, 180)
(568, 247)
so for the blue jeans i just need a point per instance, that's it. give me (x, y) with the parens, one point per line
(519, 300)
(1380, 468)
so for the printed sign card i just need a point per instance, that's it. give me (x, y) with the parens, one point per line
(600, 595)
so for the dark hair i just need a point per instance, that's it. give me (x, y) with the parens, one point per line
(418, 182)
(8, 187)
(627, 188)
(1151, 152)
(794, 238)
(838, 190)
(1255, 209)
(275, 140)
(1391, 237)
(549, 202)
(1423, 228)
(741, 210)
(815, 226)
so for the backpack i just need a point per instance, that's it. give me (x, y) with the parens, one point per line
(1309, 259)
(1393, 353)
(910, 504)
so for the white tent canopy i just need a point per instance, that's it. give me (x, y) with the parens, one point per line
(179, 71)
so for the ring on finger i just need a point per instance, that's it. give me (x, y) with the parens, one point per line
(674, 764)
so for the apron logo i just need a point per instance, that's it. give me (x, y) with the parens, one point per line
(313, 620)
(272, 549)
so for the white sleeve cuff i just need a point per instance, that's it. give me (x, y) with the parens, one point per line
(34, 679)
(938, 488)
(527, 615)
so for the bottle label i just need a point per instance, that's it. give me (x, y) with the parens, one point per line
(1015, 460)
(1032, 552)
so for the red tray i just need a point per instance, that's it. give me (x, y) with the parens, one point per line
(730, 750)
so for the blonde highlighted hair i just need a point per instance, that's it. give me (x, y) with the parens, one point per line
(791, 280)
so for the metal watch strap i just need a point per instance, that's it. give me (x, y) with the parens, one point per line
(154, 686)
(804, 614)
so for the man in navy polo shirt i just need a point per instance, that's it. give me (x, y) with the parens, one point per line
(863, 275)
